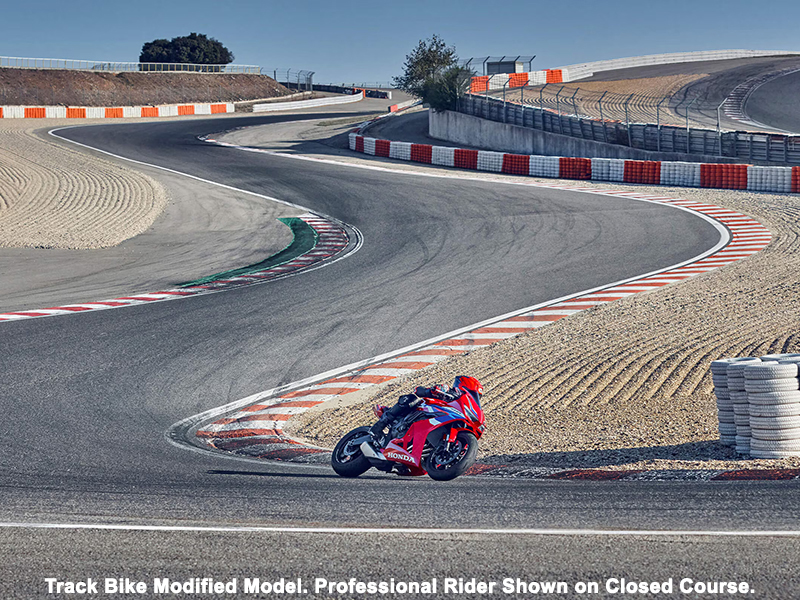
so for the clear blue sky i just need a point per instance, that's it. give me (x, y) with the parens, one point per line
(354, 40)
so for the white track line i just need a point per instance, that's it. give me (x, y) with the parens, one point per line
(405, 530)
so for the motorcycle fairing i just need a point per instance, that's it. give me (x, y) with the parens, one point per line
(431, 429)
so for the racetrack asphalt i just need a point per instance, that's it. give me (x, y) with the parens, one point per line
(775, 103)
(87, 398)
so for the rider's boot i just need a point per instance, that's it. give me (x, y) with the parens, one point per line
(376, 431)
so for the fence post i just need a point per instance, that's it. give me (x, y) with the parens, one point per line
(658, 123)
(574, 107)
(504, 99)
(602, 118)
(688, 133)
(558, 110)
(628, 122)
(719, 130)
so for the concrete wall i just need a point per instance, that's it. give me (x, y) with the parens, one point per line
(501, 137)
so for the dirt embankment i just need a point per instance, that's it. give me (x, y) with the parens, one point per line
(44, 87)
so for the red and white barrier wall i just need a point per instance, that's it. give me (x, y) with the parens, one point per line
(117, 112)
(683, 174)
(515, 80)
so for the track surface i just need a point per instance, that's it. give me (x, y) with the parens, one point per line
(775, 103)
(86, 399)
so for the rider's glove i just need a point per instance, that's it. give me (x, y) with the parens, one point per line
(407, 399)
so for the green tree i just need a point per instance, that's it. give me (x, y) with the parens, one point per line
(443, 91)
(431, 72)
(196, 48)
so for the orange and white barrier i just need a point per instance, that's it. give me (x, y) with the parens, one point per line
(653, 172)
(116, 112)
(516, 80)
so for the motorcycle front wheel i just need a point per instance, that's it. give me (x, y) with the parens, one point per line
(444, 464)
(347, 459)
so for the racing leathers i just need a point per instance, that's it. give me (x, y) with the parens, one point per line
(406, 404)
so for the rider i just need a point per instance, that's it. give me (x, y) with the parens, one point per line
(408, 402)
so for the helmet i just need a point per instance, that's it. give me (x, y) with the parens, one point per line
(469, 385)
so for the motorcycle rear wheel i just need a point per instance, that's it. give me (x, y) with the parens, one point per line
(347, 459)
(444, 465)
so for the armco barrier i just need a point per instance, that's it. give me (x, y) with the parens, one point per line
(118, 112)
(734, 145)
(307, 103)
(672, 173)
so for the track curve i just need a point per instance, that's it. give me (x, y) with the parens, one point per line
(87, 399)
(775, 103)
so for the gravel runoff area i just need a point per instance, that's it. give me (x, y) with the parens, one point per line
(52, 196)
(623, 386)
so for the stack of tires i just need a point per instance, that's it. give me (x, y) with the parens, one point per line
(774, 408)
(758, 404)
(725, 397)
(738, 393)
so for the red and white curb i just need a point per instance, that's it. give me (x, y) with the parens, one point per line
(253, 427)
(332, 240)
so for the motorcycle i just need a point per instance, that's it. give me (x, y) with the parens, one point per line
(439, 438)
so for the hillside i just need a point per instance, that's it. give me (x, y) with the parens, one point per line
(45, 87)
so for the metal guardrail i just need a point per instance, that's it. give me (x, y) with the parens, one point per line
(741, 145)
(13, 62)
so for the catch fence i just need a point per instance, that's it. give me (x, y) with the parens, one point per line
(636, 121)
(13, 62)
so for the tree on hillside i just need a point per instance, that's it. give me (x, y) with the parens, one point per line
(196, 48)
(431, 72)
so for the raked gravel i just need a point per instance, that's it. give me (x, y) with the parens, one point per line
(53, 196)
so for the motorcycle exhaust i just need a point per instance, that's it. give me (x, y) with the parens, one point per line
(368, 451)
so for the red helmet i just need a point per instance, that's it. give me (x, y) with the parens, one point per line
(469, 384)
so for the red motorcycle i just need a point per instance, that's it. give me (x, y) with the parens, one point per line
(438, 437)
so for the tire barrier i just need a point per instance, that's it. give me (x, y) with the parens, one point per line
(683, 174)
(118, 112)
(758, 404)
